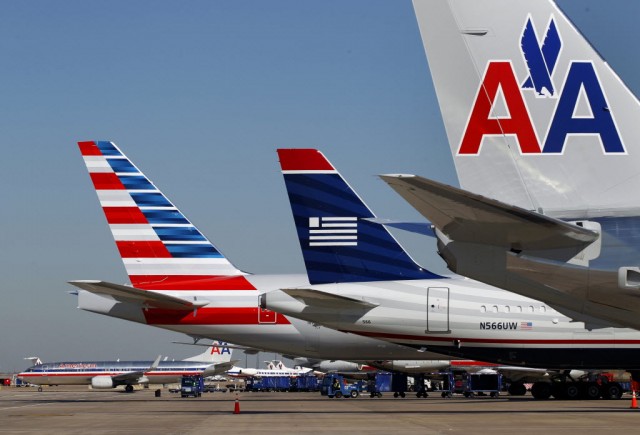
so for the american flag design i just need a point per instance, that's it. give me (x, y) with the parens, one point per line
(526, 326)
(333, 231)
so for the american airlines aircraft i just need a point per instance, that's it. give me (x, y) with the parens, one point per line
(181, 282)
(408, 305)
(103, 375)
(545, 140)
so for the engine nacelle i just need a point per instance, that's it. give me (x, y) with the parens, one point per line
(338, 366)
(101, 382)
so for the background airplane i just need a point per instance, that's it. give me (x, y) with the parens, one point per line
(111, 374)
(544, 138)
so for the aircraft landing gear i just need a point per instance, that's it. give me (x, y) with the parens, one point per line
(129, 388)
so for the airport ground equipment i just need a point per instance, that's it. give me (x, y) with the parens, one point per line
(479, 383)
(191, 386)
(305, 383)
(383, 382)
(335, 386)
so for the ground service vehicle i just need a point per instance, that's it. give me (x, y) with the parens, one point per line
(335, 386)
(191, 386)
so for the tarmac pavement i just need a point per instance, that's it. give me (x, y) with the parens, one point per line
(77, 410)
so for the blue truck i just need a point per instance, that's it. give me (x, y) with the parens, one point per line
(191, 386)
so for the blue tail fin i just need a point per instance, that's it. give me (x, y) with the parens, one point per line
(338, 243)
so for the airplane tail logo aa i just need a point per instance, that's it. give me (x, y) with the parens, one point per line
(338, 242)
(535, 117)
(160, 248)
(218, 352)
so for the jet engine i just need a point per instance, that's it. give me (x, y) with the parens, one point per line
(102, 382)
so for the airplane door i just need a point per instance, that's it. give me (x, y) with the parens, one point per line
(266, 316)
(438, 309)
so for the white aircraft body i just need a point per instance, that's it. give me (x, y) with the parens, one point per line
(274, 368)
(181, 282)
(452, 315)
(111, 374)
(545, 140)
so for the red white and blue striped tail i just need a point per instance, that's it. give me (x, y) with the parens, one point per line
(160, 248)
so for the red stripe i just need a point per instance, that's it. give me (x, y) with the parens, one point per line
(106, 181)
(190, 282)
(463, 340)
(89, 148)
(99, 373)
(142, 249)
(208, 316)
(124, 215)
(303, 160)
(466, 363)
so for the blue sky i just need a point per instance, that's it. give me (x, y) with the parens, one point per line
(199, 95)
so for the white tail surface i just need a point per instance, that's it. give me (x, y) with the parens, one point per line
(534, 116)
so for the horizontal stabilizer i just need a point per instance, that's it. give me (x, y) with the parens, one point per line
(424, 228)
(131, 294)
(467, 217)
(319, 298)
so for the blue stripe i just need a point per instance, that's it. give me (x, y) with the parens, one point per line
(155, 199)
(107, 148)
(193, 251)
(136, 182)
(172, 234)
(164, 217)
(121, 165)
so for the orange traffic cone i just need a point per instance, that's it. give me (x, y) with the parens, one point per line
(236, 408)
(634, 401)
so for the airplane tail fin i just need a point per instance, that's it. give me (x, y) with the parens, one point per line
(160, 248)
(338, 242)
(535, 117)
(217, 353)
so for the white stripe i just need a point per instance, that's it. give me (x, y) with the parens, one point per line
(97, 164)
(185, 242)
(333, 244)
(122, 174)
(333, 231)
(351, 219)
(133, 232)
(181, 269)
(177, 261)
(311, 171)
(115, 198)
(339, 225)
(333, 237)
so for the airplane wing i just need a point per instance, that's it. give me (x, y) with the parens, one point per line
(467, 217)
(216, 369)
(133, 377)
(131, 294)
(327, 300)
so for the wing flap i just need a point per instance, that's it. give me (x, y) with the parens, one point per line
(467, 217)
(322, 299)
(131, 294)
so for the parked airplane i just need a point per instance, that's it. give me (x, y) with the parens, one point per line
(451, 315)
(544, 137)
(111, 374)
(274, 368)
(181, 282)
